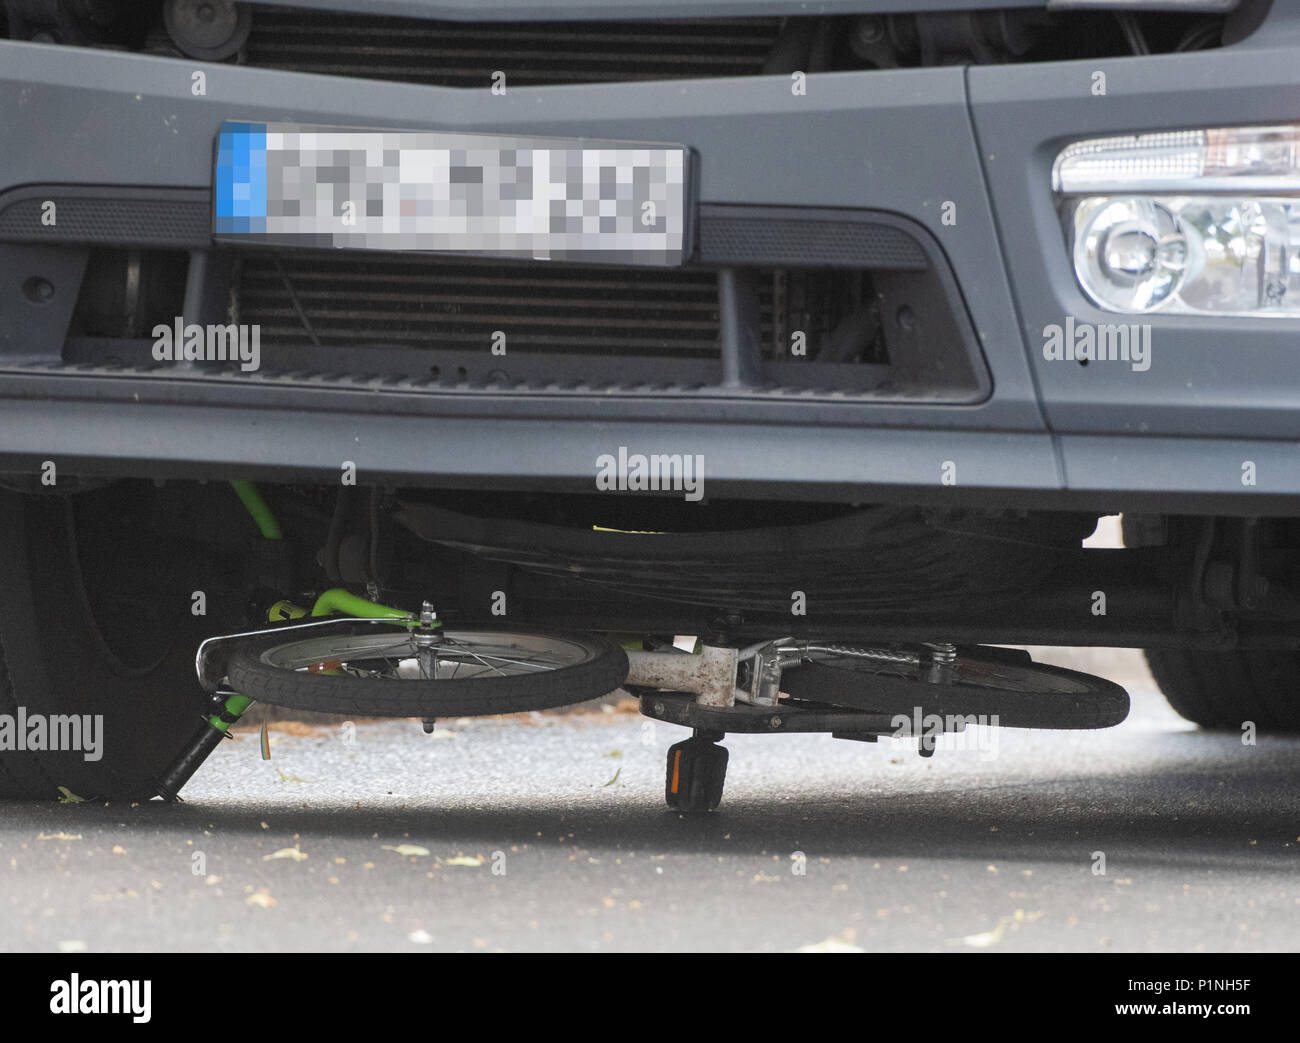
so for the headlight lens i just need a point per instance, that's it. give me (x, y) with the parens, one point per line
(1194, 222)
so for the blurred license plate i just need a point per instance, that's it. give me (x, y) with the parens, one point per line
(562, 199)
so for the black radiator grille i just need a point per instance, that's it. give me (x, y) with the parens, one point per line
(817, 303)
(461, 54)
(458, 304)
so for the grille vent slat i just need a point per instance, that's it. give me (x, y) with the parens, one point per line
(454, 303)
(458, 54)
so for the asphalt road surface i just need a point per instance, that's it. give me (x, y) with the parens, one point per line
(550, 833)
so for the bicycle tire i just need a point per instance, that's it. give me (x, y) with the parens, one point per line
(602, 670)
(1060, 699)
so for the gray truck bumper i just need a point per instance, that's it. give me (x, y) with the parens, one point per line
(1049, 433)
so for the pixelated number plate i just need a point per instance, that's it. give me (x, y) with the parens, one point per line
(491, 195)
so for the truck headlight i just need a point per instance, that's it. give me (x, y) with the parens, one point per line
(1202, 222)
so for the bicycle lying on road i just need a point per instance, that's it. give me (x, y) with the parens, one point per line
(348, 655)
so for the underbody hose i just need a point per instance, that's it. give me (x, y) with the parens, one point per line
(258, 508)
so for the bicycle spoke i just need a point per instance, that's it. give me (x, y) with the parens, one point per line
(502, 659)
(482, 657)
(382, 650)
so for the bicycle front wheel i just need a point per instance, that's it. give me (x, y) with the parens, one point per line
(383, 670)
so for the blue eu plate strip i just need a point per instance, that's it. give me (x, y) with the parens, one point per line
(241, 178)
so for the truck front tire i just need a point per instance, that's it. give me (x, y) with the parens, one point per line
(95, 623)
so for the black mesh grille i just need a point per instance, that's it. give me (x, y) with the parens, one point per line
(728, 237)
(159, 216)
(466, 54)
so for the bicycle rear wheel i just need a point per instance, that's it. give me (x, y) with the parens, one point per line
(983, 682)
(386, 670)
